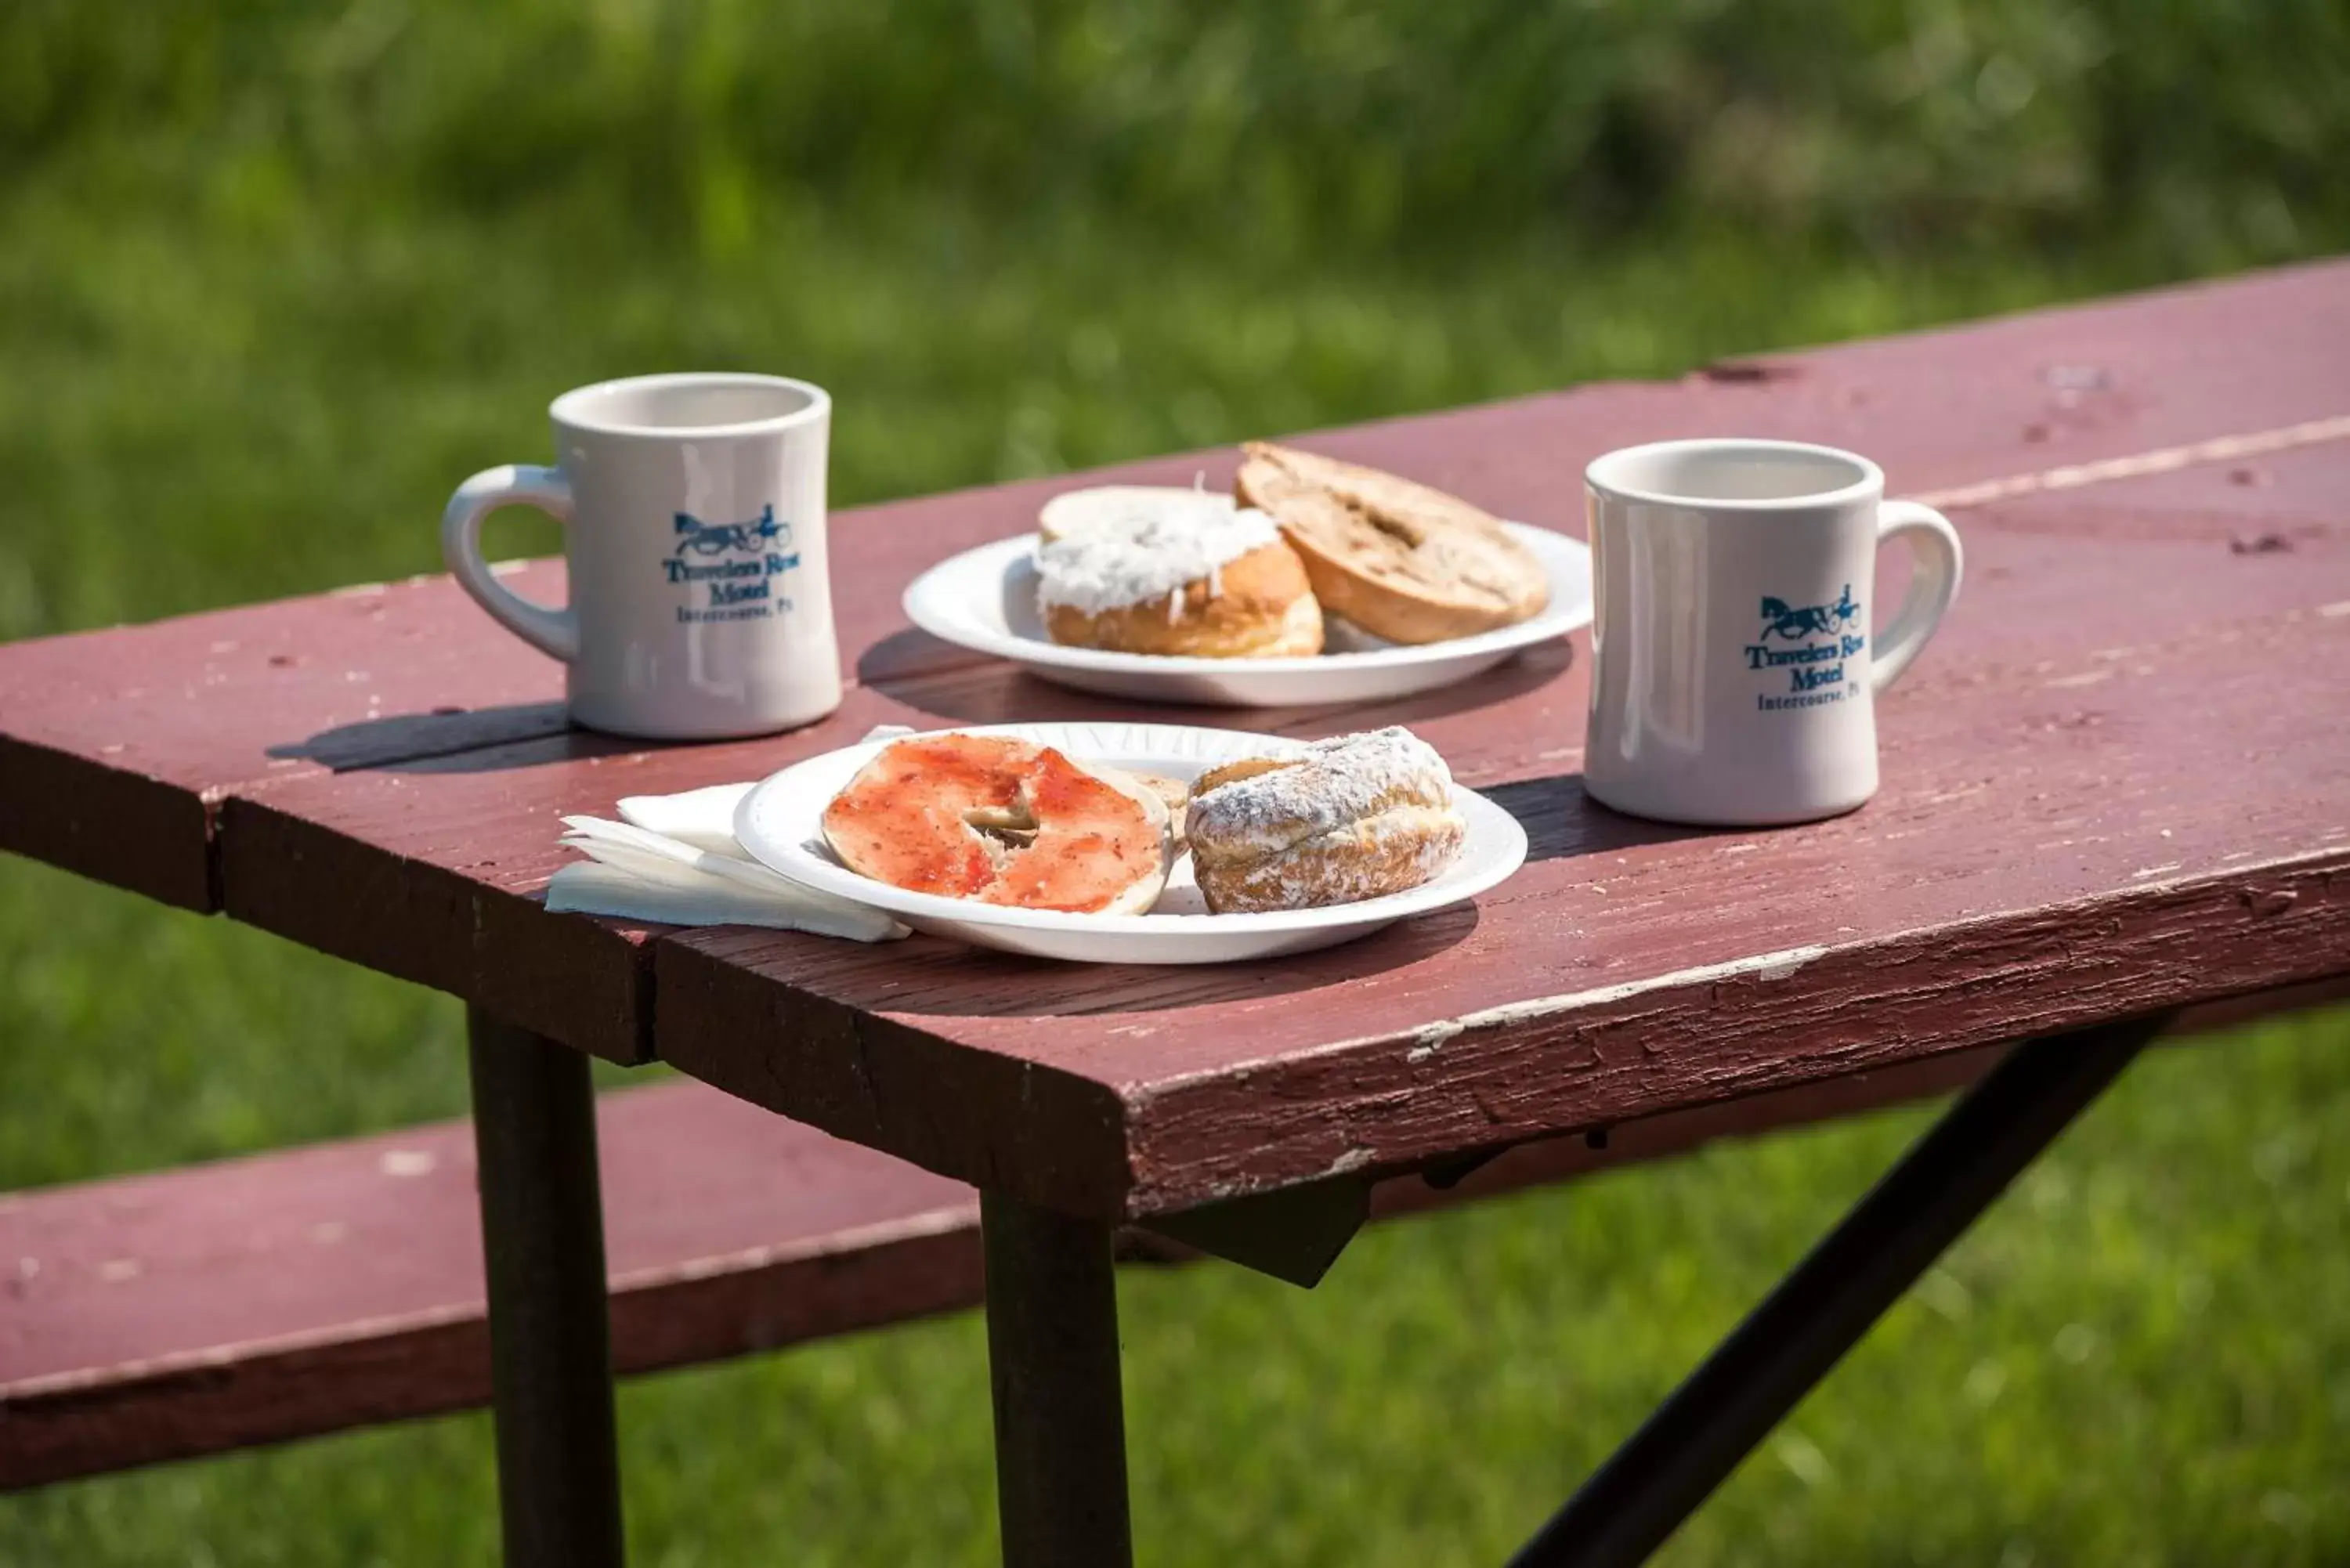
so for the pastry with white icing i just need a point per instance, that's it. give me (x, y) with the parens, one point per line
(1142, 570)
(1336, 822)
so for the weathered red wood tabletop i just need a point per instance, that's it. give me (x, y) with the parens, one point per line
(2119, 780)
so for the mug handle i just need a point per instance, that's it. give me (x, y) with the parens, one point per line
(1936, 563)
(544, 627)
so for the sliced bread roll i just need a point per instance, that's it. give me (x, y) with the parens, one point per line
(1401, 561)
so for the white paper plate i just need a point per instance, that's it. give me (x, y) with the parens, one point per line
(779, 822)
(986, 599)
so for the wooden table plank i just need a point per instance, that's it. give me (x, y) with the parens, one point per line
(2039, 573)
(1956, 406)
(305, 1291)
(293, 768)
(115, 746)
(2058, 840)
(453, 852)
(433, 870)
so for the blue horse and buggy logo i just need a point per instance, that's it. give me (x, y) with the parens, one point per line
(695, 537)
(736, 565)
(1812, 643)
(1792, 623)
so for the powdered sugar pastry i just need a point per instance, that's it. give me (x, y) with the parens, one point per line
(1334, 781)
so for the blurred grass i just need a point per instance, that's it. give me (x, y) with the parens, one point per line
(273, 276)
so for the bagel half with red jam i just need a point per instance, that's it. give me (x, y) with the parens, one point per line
(1003, 821)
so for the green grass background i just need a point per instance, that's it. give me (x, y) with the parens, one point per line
(274, 275)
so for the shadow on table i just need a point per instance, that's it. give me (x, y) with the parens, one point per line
(920, 672)
(971, 982)
(1562, 821)
(914, 655)
(456, 740)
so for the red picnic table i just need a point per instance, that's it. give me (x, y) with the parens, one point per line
(2118, 787)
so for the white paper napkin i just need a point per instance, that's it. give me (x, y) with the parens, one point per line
(672, 858)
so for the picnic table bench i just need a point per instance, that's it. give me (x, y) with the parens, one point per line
(2116, 792)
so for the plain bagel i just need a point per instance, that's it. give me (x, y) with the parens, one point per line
(1401, 561)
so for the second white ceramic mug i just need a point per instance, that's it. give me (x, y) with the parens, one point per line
(694, 514)
(1733, 670)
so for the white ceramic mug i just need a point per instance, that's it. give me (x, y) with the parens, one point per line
(694, 514)
(1732, 666)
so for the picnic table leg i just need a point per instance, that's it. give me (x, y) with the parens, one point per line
(1660, 1475)
(1052, 1355)
(550, 1339)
